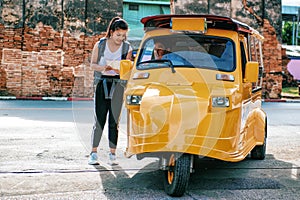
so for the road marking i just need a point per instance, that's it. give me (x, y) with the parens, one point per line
(15, 122)
(294, 174)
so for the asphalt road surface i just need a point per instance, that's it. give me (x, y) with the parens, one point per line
(44, 147)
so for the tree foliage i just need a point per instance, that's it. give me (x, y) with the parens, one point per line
(287, 33)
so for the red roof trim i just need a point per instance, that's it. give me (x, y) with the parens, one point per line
(240, 27)
(210, 17)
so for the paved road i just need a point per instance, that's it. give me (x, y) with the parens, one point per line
(44, 147)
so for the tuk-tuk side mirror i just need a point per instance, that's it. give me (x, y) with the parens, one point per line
(125, 69)
(251, 72)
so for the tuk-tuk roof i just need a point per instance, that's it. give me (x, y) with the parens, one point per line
(213, 21)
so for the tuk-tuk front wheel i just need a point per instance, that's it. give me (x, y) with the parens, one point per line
(177, 174)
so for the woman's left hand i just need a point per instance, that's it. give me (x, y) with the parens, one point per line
(117, 71)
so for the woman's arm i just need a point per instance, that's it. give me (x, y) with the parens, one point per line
(95, 66)
(129, 55)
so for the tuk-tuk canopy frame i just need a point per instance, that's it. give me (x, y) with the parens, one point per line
(213, 21)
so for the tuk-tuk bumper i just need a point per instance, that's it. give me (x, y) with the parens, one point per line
(211, 138)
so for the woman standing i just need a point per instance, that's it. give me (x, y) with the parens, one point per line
(108, 97)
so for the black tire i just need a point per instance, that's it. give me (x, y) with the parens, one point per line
(259, 151)
(176, 178)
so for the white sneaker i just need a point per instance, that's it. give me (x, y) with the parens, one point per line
(112, 159)
(93, 159)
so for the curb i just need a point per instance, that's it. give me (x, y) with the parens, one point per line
(282, 100)
(91, 99)
(292, 100)
(274, 100)
(46, 98)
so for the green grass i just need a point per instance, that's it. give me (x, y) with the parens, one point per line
(291, 91)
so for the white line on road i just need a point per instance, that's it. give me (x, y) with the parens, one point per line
(294, 174)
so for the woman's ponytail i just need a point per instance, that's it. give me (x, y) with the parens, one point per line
(115, 24)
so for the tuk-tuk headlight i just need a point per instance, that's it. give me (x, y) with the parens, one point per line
(220, 101)
(133, 99)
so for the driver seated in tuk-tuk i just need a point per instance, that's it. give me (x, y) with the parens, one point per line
(159, 50)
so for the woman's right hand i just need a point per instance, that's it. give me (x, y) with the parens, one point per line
(108, 68)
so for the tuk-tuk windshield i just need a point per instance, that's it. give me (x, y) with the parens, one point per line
(197, 51)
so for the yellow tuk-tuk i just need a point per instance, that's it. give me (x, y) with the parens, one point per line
(200, 98)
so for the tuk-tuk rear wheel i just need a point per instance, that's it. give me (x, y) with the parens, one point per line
(177, 174)
(259, 151)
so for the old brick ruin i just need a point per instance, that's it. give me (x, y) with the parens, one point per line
(46, 57)
(45, 46)
(48, 65)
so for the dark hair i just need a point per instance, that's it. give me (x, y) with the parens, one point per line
(115, 24)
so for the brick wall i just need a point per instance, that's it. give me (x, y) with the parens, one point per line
(50, 64)
(45, 45)
(272, 51)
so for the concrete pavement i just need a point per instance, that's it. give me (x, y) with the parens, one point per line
(45, 157)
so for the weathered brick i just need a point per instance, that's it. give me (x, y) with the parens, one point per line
(45, 67)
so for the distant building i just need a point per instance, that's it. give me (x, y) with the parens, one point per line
(291, 12)
(290, 9)
(134, 10)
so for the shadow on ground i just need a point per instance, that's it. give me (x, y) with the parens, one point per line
(210, 175)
